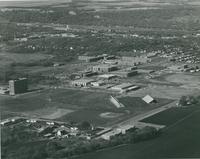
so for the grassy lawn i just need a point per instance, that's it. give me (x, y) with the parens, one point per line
(170, 116)
(60, 97)
(92, 116)
(136, 104)
(86, 104)
(83, 99)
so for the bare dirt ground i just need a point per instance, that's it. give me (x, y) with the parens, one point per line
(110, 115)
(47, 113)
(188, 81)
(58, 113)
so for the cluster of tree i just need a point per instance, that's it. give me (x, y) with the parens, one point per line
(68, 147)
(18, 134)
(188, 100)
(74, 146)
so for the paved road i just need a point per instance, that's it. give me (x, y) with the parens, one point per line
(147, 114)
(136, 119)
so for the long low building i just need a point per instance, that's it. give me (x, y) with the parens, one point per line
(121, 130)
(132, 61)
(125, 73)
(82, 82)
(91, 58)
(107, 76)
(104, 68)
(122, 87)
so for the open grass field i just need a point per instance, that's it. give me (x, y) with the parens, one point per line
(180, 140)
(74, 105)
(185, 80)
(51, 98)
(97, 115)
(62, 98)
(60, 104)
(92, 116)
(136, 104)
(170, 116)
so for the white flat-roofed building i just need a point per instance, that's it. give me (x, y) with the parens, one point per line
(97, 83)
(82, 82)
(107, 76)
(117, 131)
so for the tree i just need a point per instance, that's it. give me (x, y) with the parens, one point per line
(183, 101)
(187, 100)
(85, 125)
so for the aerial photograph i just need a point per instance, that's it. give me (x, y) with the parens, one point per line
(100, 79)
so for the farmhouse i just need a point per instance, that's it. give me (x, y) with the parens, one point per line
(82, 82)
(104, 68)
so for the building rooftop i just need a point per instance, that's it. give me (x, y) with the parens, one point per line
(148, 99)
(106, 76)
(84, 80)
(19, 79)
(123, 85)
(105, 65)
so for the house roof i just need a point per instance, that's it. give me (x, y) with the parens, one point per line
(148, 99)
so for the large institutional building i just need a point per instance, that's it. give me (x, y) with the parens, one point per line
(18, 86)
(104, 68)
